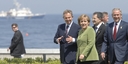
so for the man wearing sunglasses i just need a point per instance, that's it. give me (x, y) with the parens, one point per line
(16, 48)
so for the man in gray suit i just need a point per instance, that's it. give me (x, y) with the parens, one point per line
(116, 35)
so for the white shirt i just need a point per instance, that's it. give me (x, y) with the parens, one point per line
(69, 26)
(98, 26)
(73, 39)
(69, 29)
(117, 26)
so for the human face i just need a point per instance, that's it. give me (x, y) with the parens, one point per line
(105, 19)
(95, 20)
(84, 23)
(14, 28)
(68, 18)
(117, 16)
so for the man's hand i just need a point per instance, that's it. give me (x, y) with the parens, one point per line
(59, 39)
(69, 39)
(103, 55)
(81, 57)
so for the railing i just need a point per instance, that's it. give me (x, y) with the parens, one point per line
(34, 53)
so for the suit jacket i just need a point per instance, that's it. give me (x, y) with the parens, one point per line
(100, 37)
(17, 46)
(119, 46)
(67, 50)
(86, 45)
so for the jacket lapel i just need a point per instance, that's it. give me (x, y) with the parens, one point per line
(99, 30)
(111, 30)
(119, 29)
(70, 31)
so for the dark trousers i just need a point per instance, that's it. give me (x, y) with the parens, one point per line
(67, 63)
(101, 61)
(17, 56)
(115, 61)
(107, 59)
(87, 62)
(64, 62)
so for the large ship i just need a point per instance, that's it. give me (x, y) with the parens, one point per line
(20, 13)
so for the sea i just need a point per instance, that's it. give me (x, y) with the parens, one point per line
(37, 33)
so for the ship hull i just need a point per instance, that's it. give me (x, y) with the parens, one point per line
(24, 17)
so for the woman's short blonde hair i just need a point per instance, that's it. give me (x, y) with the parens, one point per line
(83, 16)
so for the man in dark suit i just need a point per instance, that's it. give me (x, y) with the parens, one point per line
(17, 48)
(105, 18)
(99, 27)
(116, 35)
(66, 36)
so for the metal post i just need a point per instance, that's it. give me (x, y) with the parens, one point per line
(44, 58)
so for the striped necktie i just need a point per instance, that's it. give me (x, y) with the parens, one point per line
(114, 33)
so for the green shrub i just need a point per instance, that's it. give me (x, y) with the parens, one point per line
(29, 60)
(3, 62)
(17, 60)
(53, 61)
(37, 60)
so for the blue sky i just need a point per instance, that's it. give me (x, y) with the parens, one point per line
(58, 6)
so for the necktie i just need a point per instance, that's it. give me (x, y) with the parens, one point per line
(67, 29)
(95, 28)
(65, 34)
(114, 33)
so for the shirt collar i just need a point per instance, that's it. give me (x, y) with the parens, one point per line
(69, 24)
(98, 26)
(118, 23)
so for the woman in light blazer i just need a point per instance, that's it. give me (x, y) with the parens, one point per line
(86, 51)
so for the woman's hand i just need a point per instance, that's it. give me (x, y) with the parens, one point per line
(81, 57)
